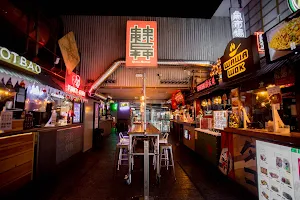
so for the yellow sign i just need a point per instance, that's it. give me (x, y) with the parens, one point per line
(236, 64)
(18, 61)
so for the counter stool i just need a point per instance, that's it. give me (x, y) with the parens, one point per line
(123, 148)
(164, 156)
(163, 140)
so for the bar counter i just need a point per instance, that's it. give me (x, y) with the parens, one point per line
(291, 139)
(241, 145)
(36, 153)
(21, 131)
(139, 128)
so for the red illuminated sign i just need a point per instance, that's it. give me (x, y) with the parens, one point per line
(73, 83)
(208, 83)
(260, 42)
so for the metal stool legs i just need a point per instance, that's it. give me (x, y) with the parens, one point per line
(164, 157)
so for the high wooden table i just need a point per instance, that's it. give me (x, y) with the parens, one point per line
(144, 130)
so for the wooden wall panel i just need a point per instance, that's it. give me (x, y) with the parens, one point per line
(16, 161)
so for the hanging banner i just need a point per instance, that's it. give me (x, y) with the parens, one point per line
(69, 51)
(73, 84)
(240, 58)
(141, 44)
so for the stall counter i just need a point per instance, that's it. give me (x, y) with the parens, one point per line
(35, 153)
(241, 147)
(178, 127)
(208, 145)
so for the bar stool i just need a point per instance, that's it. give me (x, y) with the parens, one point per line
(123, 149)
(164, 156)
(162, 140)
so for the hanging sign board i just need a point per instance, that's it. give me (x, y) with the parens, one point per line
(240, 58)
(73, 84)
(18, 61)
(141, 44)
(69, 51)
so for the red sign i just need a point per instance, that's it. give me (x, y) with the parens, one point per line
(73, 84)
(260, 42)
(141, 44)
(208, 83)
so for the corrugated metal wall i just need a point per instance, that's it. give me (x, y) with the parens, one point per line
(261, 15)
(101, 40)
(167, 73)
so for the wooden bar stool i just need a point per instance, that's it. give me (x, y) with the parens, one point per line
(164, 156)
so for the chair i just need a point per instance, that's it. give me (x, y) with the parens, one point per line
(164, 156)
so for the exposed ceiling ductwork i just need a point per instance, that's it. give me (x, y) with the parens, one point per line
(115, 65)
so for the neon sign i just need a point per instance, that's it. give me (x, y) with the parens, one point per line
(73, 83)
(208, 83)
(260, 42)
(18, 61)
(237, 23)
(294, 5)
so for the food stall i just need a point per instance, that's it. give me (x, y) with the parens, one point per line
(260, 148)
(183, 123)
(39, 128)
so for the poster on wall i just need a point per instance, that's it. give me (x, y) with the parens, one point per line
(244, 156)
(283, 39)
(278, 171)
(226, 156)
(141, 44)
(220, 119)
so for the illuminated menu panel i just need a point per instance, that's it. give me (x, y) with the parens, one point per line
(278, 169)
(77, 112)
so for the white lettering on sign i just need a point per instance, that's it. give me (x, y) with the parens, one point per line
(75, 90)
(238, 24)
(18, 61)
(35, 90)
(59, 96)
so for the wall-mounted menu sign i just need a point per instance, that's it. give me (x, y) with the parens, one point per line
(240, 58)
(278, 171)
(18, 61)
(283, 39)
(212, 81)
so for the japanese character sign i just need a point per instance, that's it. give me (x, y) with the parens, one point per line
(141, 44)
(237, 23)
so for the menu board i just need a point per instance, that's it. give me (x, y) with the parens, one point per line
(77, 113)
(278, 169)
(220, 119)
